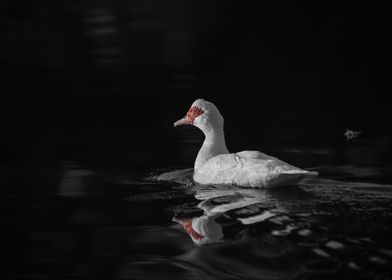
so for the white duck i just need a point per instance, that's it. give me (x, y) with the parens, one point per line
(215, 165)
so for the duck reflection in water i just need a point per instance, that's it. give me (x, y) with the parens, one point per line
(226, 208)
(231, 209)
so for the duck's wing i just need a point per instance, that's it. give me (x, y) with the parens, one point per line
(250, 169)
(275, 163)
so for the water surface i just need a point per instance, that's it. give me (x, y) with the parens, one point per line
(99, 225)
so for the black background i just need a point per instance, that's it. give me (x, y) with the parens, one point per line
(101, 82)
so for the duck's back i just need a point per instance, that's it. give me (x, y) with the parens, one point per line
(249, 169)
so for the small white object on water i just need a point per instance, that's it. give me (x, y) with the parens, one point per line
(350, 134)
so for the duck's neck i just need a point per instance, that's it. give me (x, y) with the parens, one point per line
(214, 144)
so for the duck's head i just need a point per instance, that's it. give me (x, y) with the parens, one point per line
(204, 115)
(203, 229)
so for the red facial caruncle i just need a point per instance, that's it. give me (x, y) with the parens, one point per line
(193, 113)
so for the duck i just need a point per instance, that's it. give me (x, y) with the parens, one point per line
(215, 165)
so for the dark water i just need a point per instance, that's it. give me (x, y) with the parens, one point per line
(97, 225)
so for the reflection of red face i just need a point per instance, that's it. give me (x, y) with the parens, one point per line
(193, 113)
(187, 224)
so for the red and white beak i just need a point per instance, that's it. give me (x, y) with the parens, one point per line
(190, 117)
(184, 121)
